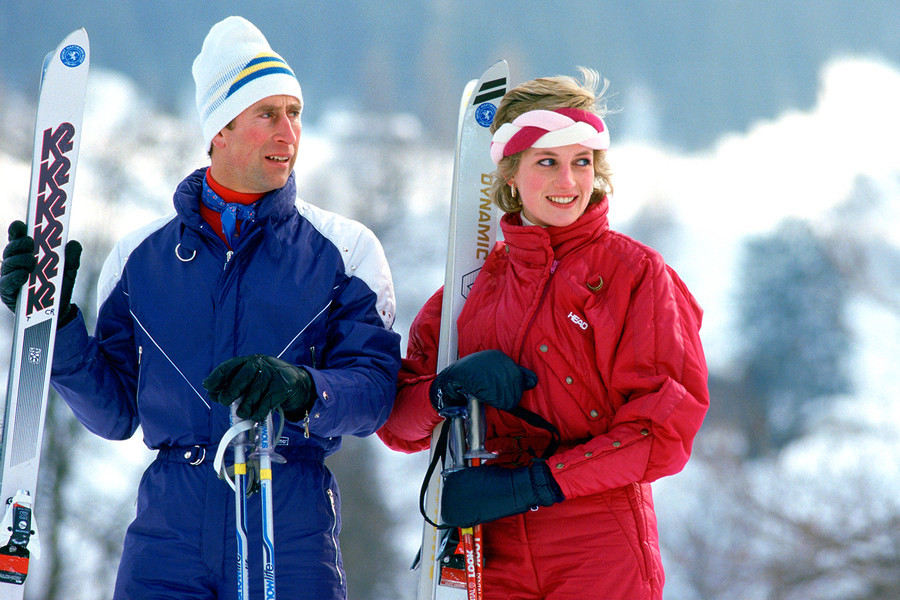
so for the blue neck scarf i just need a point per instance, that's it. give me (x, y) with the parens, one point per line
(230, 211)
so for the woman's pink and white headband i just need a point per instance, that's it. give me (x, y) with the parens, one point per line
(549, 129)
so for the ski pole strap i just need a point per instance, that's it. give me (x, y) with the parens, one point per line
(219, 461)
(440, 451)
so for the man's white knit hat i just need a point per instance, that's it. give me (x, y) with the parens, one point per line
(236, 67)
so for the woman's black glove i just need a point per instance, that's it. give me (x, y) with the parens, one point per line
(491, 376)
(262, 383)
(481, 494)
(19, 262)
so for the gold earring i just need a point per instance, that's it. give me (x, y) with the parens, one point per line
(512, 190)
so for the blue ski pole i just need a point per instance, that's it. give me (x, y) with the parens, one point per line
(240, 509)
(267, 456)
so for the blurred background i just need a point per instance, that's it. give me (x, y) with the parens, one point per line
(754, 145)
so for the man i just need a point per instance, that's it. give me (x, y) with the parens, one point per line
(247, 294)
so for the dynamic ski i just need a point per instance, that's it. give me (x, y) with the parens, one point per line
(57, 136)
(473, 231)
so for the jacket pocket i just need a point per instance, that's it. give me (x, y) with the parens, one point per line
(647, 546)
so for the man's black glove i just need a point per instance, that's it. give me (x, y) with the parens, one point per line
(262, 383)
(19, 262)
(67, 310)
(490, 375)
(481, 494)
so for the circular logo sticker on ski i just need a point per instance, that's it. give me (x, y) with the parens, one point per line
(72, 55)
(484, 114)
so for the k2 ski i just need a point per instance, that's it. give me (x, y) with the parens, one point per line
(57, 136)
(454, 573)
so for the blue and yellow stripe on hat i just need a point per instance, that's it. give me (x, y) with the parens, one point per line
(264, 64)
(261, 65)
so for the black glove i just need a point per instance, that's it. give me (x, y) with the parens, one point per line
(262, 383)
(19, 262)
(491, 376)
(481, 494)
(67, 310)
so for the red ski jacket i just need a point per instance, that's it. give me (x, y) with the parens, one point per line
(613, 335)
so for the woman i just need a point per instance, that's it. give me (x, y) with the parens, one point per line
(588, 329)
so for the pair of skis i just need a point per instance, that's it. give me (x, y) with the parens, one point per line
(473, 231)
(263, 453)
(57, 136)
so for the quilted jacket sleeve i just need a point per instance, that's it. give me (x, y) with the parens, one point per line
(658, 382)
(409, 426)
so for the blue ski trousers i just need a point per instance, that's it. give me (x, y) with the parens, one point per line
(182, 542)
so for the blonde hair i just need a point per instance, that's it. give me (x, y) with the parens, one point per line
(549, 93)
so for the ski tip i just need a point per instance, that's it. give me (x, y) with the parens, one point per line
(74, 50)
(79, 35)
(491, 87)
(499, 68)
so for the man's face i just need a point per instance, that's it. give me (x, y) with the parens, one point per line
(256, 154)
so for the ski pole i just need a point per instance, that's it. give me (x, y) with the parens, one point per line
(456, 461)
(267, 456)
(456, 444)
(474, 455)
(240, 508)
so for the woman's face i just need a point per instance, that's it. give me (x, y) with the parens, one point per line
(555, 184)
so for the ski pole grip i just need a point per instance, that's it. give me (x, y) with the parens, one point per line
(476, 431)
(456, 444)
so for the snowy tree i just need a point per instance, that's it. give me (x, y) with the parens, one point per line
(820, 519)
(791, 315)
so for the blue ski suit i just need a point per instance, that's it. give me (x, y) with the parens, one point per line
(303, 284)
